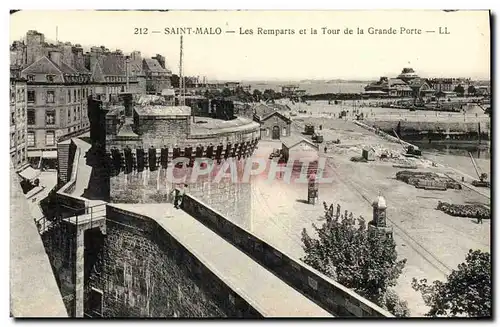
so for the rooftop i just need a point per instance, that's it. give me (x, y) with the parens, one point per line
(154, 66)
(159, 110)
(205, 125)
(294, 139)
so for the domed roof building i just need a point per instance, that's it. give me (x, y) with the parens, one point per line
(407, 74)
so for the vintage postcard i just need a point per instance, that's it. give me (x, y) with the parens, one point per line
(250, 164)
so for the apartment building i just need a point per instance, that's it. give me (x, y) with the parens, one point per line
(56, 106)
(18, 120)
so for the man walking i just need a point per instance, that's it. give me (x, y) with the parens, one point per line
(179, 196)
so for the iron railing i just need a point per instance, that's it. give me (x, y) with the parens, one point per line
(90, 213)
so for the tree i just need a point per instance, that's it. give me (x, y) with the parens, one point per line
(467, 291)
(226, 92)
(174, 80)
(471, 90)
(366, 263)
(459, 89)
(257, 95)
(269, 94)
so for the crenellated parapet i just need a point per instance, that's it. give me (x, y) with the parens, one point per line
(128, 159)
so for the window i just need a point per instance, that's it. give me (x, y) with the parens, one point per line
(50, 78)
(12, 139)
(79, 95)
(50, 96)
(284, 131)
(74, 95)
(31, 116)
(50, 117)
(74, 114)
(49, 138)
(12, 118)
(31, 78)
(267, 131)
(12, 96)
(31, 96)
(69, 96)
(31, 139)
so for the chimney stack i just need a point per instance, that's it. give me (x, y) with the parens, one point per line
(55, 56)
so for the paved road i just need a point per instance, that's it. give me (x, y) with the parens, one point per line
(33, 288)
(84, 170)
(254, 283)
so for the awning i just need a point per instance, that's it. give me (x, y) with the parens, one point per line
(34, 154)
(49, 154)
(29, 173)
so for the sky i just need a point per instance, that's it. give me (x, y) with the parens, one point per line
(464, 52)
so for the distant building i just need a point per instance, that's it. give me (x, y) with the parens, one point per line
(421, 88)
(369, 154)
(136, 71)
(407, 74)
(289, 90)
(273, 123)
(297, 148)
(110, 77)
(56, 105)
(18, 121)
(407, 84)
(392, 87)
(157, 77)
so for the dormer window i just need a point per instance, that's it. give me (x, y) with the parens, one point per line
(31, 78)
(50, 78)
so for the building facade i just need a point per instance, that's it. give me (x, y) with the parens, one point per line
(56, 105)
(18, 121)
(273, 124)
(157, 76)
(111, 75)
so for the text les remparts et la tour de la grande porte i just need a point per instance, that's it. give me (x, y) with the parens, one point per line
(293, 31)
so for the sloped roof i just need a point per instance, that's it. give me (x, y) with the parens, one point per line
(263, 110)
(66, 69)
(80, 67)
(294, 140)
(417, 82)
(43, 66)
(154, 66)
(46, 66)
(396, 81)
(114, 65)
(160, 110)
(136, 67)
(281, 107)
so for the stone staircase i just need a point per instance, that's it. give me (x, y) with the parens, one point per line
(63, 152)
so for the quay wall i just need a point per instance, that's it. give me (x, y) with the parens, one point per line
(413, 129)
(147, 273)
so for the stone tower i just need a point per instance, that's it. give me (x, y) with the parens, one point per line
(379, 221)
(34, 46)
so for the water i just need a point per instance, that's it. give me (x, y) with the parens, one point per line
(461, 150)
(314, 87)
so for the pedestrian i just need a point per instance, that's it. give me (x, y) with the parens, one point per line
(325, 149)
(179, 196)
(479, 218)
